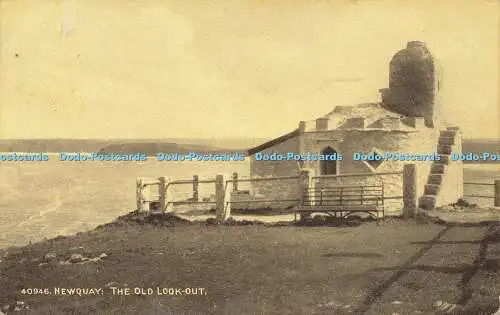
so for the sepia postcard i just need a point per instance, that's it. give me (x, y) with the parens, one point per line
(249, 157)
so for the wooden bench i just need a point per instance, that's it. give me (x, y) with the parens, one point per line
(342, 201)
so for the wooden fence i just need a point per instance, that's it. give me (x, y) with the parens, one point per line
(496, 191)
(164, 201)
(378, 175)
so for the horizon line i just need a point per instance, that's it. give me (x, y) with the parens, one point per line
(190, 138)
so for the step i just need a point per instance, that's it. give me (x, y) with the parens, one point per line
(432, 189)
(444, 149)
(437, 168)
(443, 159)
(448, 133)
(435, 179)
(446, 141)
(427, 202)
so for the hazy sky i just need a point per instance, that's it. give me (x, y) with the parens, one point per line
(123, 69)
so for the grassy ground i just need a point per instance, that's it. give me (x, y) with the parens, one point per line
(399, 266)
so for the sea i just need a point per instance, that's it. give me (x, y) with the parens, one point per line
(41, 200)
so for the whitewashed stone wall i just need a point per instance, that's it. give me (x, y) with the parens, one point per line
(452, 187)
(275, 189)
(347, 142)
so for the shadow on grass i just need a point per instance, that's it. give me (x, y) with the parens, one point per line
(353, 255)
(467, 271)
(491, 238)
(402, 270)
(491, 265)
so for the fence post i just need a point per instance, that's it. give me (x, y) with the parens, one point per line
(222, 212)
(304, 182)
(162, 192)
(235, 181)
(169, 196)
(138, 194)
(497, 193)
(195, 188)
(409, 190)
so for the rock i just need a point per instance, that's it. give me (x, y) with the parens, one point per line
(443, 307)
(111, 284)
(212, 221)
(20, 303)
(50, 256)
(76, 258)
(17, 309)
(103, 255)
(63, 262)
(23, 260)
(42, 264)
(6, 307)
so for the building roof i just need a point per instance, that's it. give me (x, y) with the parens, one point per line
(373, 115)
(371, 112)
(274, 142)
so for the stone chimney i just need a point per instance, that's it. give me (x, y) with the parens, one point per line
(302, 126)
(415, 122)
(384, 95)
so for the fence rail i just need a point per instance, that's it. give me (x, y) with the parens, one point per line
(263, 200)
(159, 202)
(479, 184)
(358, 175)
(191, 181)
(480, 196)
(188, 202)
(262, 179)
(305, 182)
(496, 191)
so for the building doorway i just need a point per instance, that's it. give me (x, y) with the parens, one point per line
(328, 167)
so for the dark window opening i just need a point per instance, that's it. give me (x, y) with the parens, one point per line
(328, 167)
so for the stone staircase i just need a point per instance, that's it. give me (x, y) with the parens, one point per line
(447, 139)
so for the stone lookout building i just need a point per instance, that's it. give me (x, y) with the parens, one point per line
(406, 121)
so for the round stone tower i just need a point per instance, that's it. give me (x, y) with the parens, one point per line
(413, 83)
